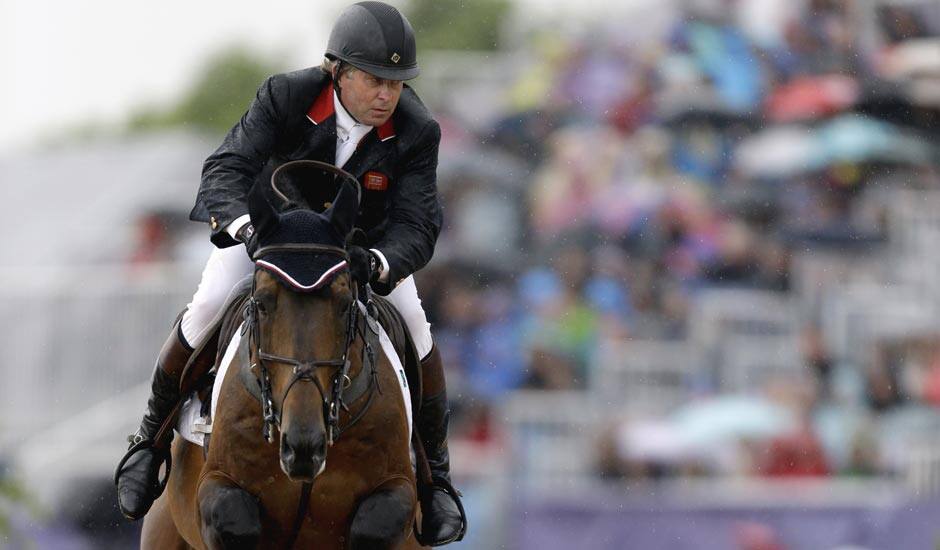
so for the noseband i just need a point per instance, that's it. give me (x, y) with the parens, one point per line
(302, 370)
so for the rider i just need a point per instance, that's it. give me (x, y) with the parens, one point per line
(353, 111)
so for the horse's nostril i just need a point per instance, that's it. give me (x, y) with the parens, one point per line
(287, 451)
(319, 447)
(303, 456)
(305, 448)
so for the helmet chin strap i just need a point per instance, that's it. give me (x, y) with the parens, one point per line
(339, 90)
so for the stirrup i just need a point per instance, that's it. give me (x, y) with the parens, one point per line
(138, 443)
(454, 494)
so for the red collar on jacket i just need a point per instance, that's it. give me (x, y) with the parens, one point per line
(322, 109)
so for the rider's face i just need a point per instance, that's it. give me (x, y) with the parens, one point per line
(369, 99)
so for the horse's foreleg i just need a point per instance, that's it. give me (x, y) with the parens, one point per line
(384, 519)
(230, 516)
(159, 531)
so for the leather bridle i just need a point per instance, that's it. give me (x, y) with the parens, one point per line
(303, 370)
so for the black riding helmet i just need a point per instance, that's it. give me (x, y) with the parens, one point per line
(376, 38)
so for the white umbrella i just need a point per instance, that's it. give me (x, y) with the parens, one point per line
(724, 419)
(653, 441)
(778, 152)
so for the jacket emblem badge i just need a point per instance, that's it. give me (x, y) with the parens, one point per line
(375, 181)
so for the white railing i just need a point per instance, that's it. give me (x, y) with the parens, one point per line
(745, 336)
(856, 316)
(748, 362)
(73, 338)
(646, 377)
(922, 471)
(552, 434)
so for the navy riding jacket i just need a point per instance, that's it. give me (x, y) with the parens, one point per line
(292, 118)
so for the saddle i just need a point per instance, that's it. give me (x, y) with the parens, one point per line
(197, 375)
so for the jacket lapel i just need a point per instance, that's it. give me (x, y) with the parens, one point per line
(319, 138)
(319, 142)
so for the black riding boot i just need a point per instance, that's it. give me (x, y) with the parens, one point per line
(443, 519)
(137, 477)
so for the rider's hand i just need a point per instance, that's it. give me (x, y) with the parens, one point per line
(246, 235)
(363, 265)
(360, 264)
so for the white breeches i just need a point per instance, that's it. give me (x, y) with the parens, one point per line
(228, 266)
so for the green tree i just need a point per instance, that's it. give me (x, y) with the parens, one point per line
(457, 24)
(218, 98)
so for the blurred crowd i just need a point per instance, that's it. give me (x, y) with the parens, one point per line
(638, 175)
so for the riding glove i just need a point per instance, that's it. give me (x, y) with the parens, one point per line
(246, 234)
(364, 265)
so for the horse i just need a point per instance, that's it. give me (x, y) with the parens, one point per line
(309, 372)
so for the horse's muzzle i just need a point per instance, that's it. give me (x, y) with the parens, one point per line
(303, 458)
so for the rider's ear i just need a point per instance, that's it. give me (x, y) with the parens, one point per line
(345, 207)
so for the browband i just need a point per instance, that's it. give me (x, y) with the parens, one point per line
(301, 247)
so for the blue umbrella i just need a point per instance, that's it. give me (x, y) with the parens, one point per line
(784, 151)
(854, 138)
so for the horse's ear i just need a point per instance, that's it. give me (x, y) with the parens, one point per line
(342, 213)
(264, 217)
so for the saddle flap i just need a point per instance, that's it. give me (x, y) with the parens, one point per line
(394, 325)
(207, 355)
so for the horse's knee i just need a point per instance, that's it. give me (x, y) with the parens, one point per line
(383, 519)
(231, 518)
